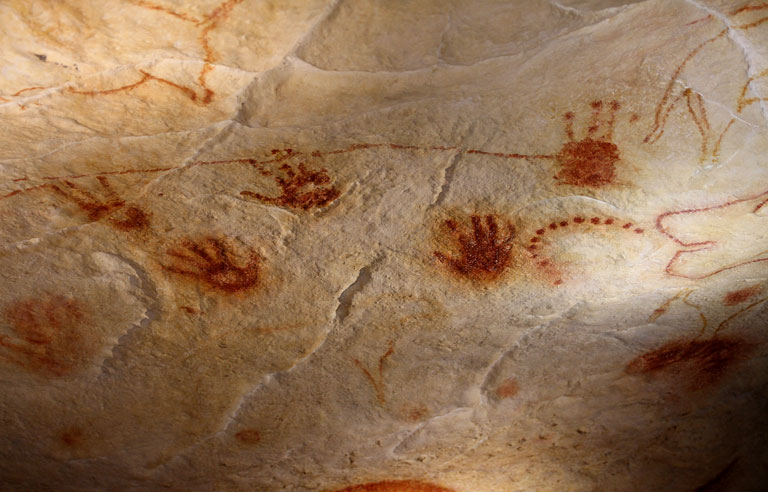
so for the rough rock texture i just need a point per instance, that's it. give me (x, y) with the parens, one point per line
(383, 246)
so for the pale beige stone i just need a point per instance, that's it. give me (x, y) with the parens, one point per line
(383, 246)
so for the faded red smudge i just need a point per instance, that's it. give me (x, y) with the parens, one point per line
(304, 189)
(415, 414)
(49, 335)
(95, 204)
(508, 388)
(484, 253)
(395, 486)
(135, 219)
(215, 263)
(591, 161)
(248, 436)
(741, 295)
(702, 362)
(72, 437)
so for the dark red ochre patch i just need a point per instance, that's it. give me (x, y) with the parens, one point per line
(591, 161)
(305, 189)
(72, 437)
(741, 295)
(484, 252)
(248, 436)
(395, 486)
(49, 335)
(134, 219)
(214, 263)
(702, 362)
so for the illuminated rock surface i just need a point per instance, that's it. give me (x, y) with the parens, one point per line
(383, 246)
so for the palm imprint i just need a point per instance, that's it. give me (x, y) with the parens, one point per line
(214, 263)
(484, 253)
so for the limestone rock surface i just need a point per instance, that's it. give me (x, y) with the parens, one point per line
(383, 245)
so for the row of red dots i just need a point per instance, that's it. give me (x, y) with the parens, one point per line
(579, 220)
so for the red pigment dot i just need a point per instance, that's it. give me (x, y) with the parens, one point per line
(595, 220)
(608, 221)
(544, 263)
(532, 247)
(535, 239)
(534, 256)
(578, 220)
(563, 223)
(540, 231)
(558, 282)
(627, 225)
(553, 226)
(639, 231)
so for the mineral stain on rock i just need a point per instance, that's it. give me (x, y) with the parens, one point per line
(485, 252)
(395, 486)
(702, 362)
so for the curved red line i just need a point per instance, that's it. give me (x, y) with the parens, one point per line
(663, 230)
(669, 269)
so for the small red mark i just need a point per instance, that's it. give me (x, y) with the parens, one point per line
(627, 225)
(507, 389)
(485, 253)
(540, 232)
(535, 239)
(304, 189)
(595, 220)
(608, 221)
(188, 309)
(553, 226)
(214, 263)
(639, 231)
(578, 220)
(248, 436)
(563, 223)
(741, 295)
(72, 437)
(395, 486)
